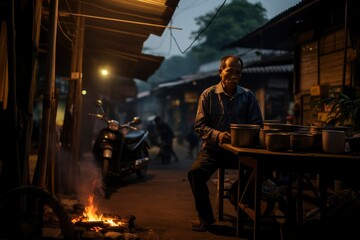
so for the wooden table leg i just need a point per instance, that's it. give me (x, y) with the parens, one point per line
(220, 193)
(323, 195)
(291, 213)
(299, 198)
(239, 223)
(257, 200)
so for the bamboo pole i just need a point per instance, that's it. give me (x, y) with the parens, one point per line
(49, 92)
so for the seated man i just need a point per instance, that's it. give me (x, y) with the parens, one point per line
(219, 106)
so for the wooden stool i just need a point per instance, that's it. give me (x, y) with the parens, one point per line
(221, 193)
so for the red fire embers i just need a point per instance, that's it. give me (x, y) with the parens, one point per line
(93, 222)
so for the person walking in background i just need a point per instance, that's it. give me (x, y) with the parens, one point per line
(166, 137)
(153, 134)
(219, 106)
(193, 140)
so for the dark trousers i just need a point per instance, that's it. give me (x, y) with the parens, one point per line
(205, 165)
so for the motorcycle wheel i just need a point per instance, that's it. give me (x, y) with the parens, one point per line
(106, 177)
(144, 153)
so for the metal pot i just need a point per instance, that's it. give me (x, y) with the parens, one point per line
(301, 141)
(279, 141)
(283, 126)
(263, 133)
(354, 143)
(244, 135)
(333, 141)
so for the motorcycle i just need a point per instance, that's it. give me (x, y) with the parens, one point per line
(119, 154)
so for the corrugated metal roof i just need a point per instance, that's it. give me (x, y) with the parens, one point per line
(256, 61)
(288, 68)
(313, 16)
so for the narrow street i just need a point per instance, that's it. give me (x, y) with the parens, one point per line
(162, 202)
(163, 205)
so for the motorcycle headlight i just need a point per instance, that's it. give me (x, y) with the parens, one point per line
(107, 153)
(110, 136)
(114, 125)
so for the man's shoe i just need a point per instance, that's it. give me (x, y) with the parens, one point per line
(201, 225)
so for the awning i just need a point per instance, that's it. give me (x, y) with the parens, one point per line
(115, 31)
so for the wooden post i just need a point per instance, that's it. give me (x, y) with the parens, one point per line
(49, 92)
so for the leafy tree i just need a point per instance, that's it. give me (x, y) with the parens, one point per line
(232, 21)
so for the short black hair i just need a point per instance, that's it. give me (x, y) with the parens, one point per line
(223, 61)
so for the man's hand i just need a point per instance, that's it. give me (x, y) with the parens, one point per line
(224, 137)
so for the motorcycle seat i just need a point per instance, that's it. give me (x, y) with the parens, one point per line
(134, 136)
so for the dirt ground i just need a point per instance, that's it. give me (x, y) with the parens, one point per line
(163, 206)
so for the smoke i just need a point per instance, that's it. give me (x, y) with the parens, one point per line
(90, 180)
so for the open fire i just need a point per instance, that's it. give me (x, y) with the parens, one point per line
(92, 220)
(92, 214)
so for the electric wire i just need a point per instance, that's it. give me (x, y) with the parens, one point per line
(61, 20)
(200, 33)
(63, 32)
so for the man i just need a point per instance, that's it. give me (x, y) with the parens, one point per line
(219, 106)
(166, 136)
(193, 140)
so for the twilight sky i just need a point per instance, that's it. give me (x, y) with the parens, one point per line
(184, 16)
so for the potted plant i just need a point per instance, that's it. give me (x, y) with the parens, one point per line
(344, 109)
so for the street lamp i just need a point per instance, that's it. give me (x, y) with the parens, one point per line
(104, 72)
(104, 75)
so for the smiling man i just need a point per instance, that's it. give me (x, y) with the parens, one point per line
(219, 106)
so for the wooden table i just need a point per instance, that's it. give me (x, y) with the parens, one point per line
(262, 160)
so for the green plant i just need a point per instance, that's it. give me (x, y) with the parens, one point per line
(343, 109)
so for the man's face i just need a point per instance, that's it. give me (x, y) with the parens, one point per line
(231, 74)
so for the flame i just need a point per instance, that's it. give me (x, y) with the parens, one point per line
(91, 211)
